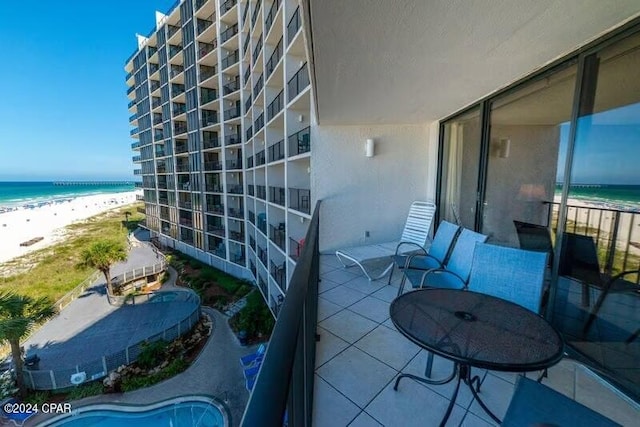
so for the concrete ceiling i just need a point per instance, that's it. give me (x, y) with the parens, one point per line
(414, 61)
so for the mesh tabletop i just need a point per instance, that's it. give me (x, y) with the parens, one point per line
(477, 329)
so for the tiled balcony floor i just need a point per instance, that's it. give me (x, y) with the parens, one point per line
(360, 354)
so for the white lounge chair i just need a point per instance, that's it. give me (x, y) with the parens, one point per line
(415, 237)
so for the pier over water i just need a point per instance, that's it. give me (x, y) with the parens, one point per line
(85, 183)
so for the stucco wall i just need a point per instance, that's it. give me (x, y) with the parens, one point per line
(370, 194)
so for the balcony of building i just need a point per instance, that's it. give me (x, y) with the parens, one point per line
(237, 253)
(262, 256)
(228, 33)
(230, 59)
(185, 218)
(210, 140)
(233, 136)
(214, 205)
(275, 106)
(298, 82)
(215, 226)
(203, 24)
(177, 89)
(207, 72)
(277, 195)
(181, 146)
(251, 189)
(157, 119)
(272, 17)
(274, 59)
(276, 151)
(300, 142)
(236, 230)
(294, 25)
(258, 123)
(277, 234)
(260, 158)
(212, 162)
(175, 73)
(213, 183)
(184, 183)
(179, 108)
(256, 13)
(204, 49)
(232, 85)
(233, 112)
(179, 127)
(207, 95)
(184, 201)
(216, 246)
(279, 273)
(186, 235)
(300, 200)
(227, 6)
(209, 118)
(156, 102)
(182, 164)
(154, 85)
(163, 182)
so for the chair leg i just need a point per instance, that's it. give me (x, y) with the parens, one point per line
(429, 367)
(390, 276)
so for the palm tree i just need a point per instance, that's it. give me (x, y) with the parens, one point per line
(127, 214)
(18, 314)
(102, 255)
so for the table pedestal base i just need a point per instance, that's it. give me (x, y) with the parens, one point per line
(463, 374)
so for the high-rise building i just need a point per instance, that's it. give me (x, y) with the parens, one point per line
(221, 99)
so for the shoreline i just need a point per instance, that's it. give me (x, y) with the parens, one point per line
(48, 220)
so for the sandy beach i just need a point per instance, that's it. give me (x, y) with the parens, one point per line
(48, 221)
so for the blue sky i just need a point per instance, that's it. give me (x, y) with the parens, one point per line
(64, 110)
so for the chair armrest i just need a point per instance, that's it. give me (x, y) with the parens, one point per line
(418, 247)
(441, 271)
(410, 259)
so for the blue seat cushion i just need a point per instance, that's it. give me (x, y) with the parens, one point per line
(534, 404)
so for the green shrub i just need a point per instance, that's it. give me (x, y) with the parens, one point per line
(85, 390)
(39, 397)
(171, 370)
(255, 318)
(152, 354)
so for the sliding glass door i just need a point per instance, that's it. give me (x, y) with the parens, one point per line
(552, 165)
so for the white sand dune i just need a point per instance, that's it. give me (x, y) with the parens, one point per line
(49, 221)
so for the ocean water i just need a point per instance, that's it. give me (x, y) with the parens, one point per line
(14, 194)
(613, 196)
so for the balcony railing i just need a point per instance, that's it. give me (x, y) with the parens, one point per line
(179, 108)
(252, 217)
(135, 145)
(261, 192)
(254, 16)
(258, 86)
(259, 122)
(257, 49)
(133, 117)
(216, 229)
(138, 185)
(300, 142)
(186, 222)
(203, 24)
(260, 158)
(129, 75)
(228, 33)
(153, 68)
(235, 189)
(210, 140)
(176, 89)
(274, 59)
(174, 49)
(236, 213)
(179, 128)
(207, 72)
(154, 85)
(245, 13)
(232, 139)
(181, 147)
(238, 236)
(245, 44)
(298, 82)
(277, 235)
(230, 59)
(199, 4)
(262, 256)
(279, 273)
(284, 359)
(232, 86)
(277, 195)
(251, 190)
(162, 184)
(158, 135)
(300, 200)
(213, 188)
(134, 131)
(294, 25)
(131, 89)
(249, 132)
(232, 113)
(175, 70)
(157, 119)
(249, 162)
(276, 151)
(252, 243)
(212, 166)
(271, 15)
(205, 48)
(182, 167)
(227, 5)
(216, 209)
(234, 164)
(185, 204)
(156, 101)
(132, 103)
(207, 95)
(171, 30)
(275, 106)
(210, 118)
(136, 159)
(151, 51)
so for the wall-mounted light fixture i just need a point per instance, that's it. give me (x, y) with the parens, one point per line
(504, 148)
(300, 118)
(369, 148)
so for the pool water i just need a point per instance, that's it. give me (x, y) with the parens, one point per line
(183, 414)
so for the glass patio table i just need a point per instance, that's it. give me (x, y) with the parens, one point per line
(475, 330)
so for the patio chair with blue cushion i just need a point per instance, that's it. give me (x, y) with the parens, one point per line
(18, 419)
(415, 237)
(252, 358)
(437, 253)
(455, 273)
(250, 375)
(511, 274)
(534, 404)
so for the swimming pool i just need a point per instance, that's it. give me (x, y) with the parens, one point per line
(181, 412)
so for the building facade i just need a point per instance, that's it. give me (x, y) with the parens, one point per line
(221, 100)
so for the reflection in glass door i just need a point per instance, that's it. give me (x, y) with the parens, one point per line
(598, 310)
(529, 129)
(459, 186)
